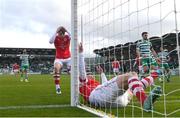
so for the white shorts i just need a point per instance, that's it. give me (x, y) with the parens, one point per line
(116, 70)
(106, 94)
(63, 61)
(16, 70)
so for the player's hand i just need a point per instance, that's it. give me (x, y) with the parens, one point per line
(80, 48)
(158, 60)
(61, 28)
(58, 29)
(99, 69)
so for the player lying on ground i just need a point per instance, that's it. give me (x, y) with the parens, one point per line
(122, 100)
(105, 95)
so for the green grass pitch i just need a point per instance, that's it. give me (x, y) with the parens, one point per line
(38, 98)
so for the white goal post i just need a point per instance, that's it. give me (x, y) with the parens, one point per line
(111, 29)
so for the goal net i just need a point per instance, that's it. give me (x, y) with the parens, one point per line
(111, 29)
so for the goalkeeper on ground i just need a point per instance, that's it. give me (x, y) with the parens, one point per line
(109, 92)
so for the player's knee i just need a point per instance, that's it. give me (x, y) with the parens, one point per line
(132, 74)
(56, 76)
(57, 69)
(69, 69)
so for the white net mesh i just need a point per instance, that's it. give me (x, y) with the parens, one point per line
(111, 29)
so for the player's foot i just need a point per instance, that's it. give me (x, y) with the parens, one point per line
(153, 96)
(167, 77)
(160, 80)
(58, 91)
(130, 96)
(26, 80)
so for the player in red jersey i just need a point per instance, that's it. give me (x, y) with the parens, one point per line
(15, 69)
(115, 66)
(61, 40)
(107, 93)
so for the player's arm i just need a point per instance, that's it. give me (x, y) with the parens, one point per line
(168, 58)
(137, 51)
(155, 55)
(154, 52)
(82, 70)
(20, 57)
(101, 72)
(52, 39)
(118, 63)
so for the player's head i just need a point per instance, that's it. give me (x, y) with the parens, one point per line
(24, 51)
(61, 30)
(161, 49)
(144, 35)
(90, 77)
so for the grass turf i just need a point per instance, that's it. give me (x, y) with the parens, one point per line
(40, 91)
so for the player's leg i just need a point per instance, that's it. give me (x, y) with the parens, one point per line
(162, 69)
(57, 66)
(155, 70)
(68, 62)
(106, 94)
(145, 65)
(26, 73)
(147, 81)
(114, 71)
(136, 87)
(15, 73)
(144, 68)
(167, 72)
(117, 71)
(22, 71)
(153, 96)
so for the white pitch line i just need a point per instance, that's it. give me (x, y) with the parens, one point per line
(57, 106)
(34, 107)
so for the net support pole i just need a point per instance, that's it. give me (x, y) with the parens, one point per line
(74, 55)
(177, 35)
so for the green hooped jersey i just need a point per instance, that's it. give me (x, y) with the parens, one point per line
(24, 59)
(144, 47)
(163, 56)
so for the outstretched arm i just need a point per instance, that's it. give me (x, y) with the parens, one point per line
(103, 76)
(82, 70)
